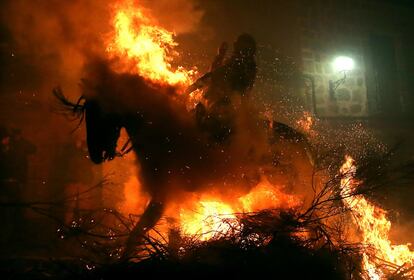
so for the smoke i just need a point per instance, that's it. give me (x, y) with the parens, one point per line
(53, 35)
(57, 37)
(179, 16)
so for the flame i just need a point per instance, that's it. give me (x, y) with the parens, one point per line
(143, 47)
(207, 215)
(374, 226)
(210, 219)
(267, 196)
(137, 39)
(213, 217)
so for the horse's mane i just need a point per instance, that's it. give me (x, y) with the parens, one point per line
(73, 111)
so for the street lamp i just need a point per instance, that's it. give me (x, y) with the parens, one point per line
(340, 64)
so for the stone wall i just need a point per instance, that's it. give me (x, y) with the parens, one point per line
(329, 28)
(350, 98)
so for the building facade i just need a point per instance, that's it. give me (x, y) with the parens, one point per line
(378, 36)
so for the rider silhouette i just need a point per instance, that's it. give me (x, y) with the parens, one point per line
(227, 79)
(221, 54)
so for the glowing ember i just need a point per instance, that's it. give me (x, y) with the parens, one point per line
(374, 227)
(149, 47)
(306, 122)
(211, 219)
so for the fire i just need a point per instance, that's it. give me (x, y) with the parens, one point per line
(374, 226)
(145, 48)
(267, 196)
(210, 219)
(208, 215)
(213, 217)
(139, 41)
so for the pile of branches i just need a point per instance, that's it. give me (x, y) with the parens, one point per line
(266, 243)
(307, 244)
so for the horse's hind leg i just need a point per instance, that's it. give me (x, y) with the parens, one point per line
(149, 218)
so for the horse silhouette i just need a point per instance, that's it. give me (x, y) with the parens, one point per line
(176, 152)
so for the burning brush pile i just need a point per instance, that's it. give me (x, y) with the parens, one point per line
(340, 235)
(218, 186)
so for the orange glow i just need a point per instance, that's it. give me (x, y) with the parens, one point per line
(210, 219)
(210, 216)
(266, 196)
(141, 46)
(214, 218)
(374, 227)
(139, 41)
(134, 200)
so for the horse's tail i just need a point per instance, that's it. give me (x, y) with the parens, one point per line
(290, 134)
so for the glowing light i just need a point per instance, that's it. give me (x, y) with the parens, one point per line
(343, 63)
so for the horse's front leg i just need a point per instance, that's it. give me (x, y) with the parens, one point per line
(148, 220)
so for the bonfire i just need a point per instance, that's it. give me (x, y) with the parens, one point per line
(251, 220)
(237, 214)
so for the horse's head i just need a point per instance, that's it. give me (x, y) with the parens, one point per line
(102, 128)
(102, 132)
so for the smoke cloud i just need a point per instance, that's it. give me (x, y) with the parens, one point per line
(57, 37)
(179, 16)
